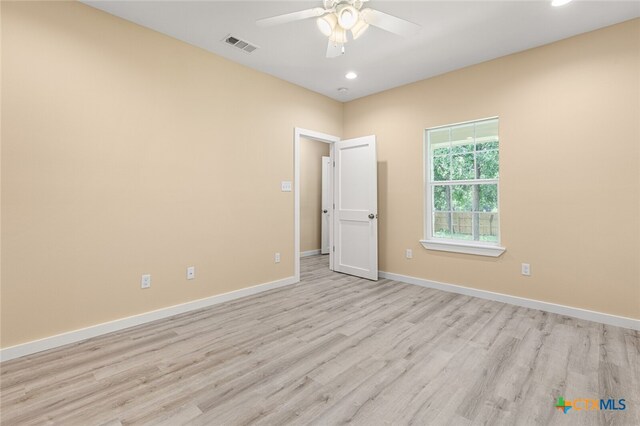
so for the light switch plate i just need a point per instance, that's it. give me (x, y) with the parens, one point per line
(191, 272)
(286, 186)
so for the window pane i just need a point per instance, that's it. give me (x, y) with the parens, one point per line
(490, 144)
(487, 129)
(489, 225)
(440, 149)
(487, 198)
(462, 133)
(439, 141)
(461, 226)
(441, 223)
(462, 167)
(441, 196)
(487, 165)
(441, 168)
(439, 137)
(461, 197)
(462, 148)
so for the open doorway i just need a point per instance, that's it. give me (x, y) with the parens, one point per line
(309, 149)
(314, 197)
(353, 222)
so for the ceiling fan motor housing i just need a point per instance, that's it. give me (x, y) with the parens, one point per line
(331, 4)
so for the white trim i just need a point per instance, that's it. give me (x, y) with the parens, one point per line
(464, 122)
(322, 137)
(310, 253)
(570, 311)
(455, 247)
(120, 324)
(32, 347)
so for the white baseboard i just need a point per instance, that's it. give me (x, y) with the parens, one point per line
(120, 324)
(584, 314)
(310, 253)
(123, 323)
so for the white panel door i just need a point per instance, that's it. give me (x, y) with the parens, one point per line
(325, 224)
(356, 207)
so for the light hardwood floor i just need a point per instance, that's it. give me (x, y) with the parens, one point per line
(334, 349)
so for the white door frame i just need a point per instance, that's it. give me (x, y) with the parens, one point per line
(327, 199)
(316, 136)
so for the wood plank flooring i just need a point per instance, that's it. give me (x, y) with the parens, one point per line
(334, 349)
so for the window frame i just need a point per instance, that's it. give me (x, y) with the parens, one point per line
(429, 242)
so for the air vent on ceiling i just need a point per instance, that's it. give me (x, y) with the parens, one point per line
(240, 44)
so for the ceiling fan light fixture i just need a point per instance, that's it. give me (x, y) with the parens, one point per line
(337, 17)
(327, 23)
(347, 16)
(359, 28)
(339, 35)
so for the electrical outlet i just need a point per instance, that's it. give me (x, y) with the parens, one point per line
(409, 254)
(285, 186)
(277, 258)
(145, 282)
(526, 269)
(191, 272)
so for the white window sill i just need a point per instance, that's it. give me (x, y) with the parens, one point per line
(466, 248)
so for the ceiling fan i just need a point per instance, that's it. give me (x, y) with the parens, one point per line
(337, 17)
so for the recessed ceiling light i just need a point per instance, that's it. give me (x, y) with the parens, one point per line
(351, 75)
(557, 3)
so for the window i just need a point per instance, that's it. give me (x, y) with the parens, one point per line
(462, 172)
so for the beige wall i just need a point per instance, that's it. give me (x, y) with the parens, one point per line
(311, 153)
(570, 160)
(127, 152)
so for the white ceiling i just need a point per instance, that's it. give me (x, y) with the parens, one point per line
(454, 34)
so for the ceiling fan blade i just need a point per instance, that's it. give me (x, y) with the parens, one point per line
(334, 49)
(389, 23)
(291, 17)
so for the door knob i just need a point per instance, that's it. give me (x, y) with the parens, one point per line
(324, 211)
(371, 216)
